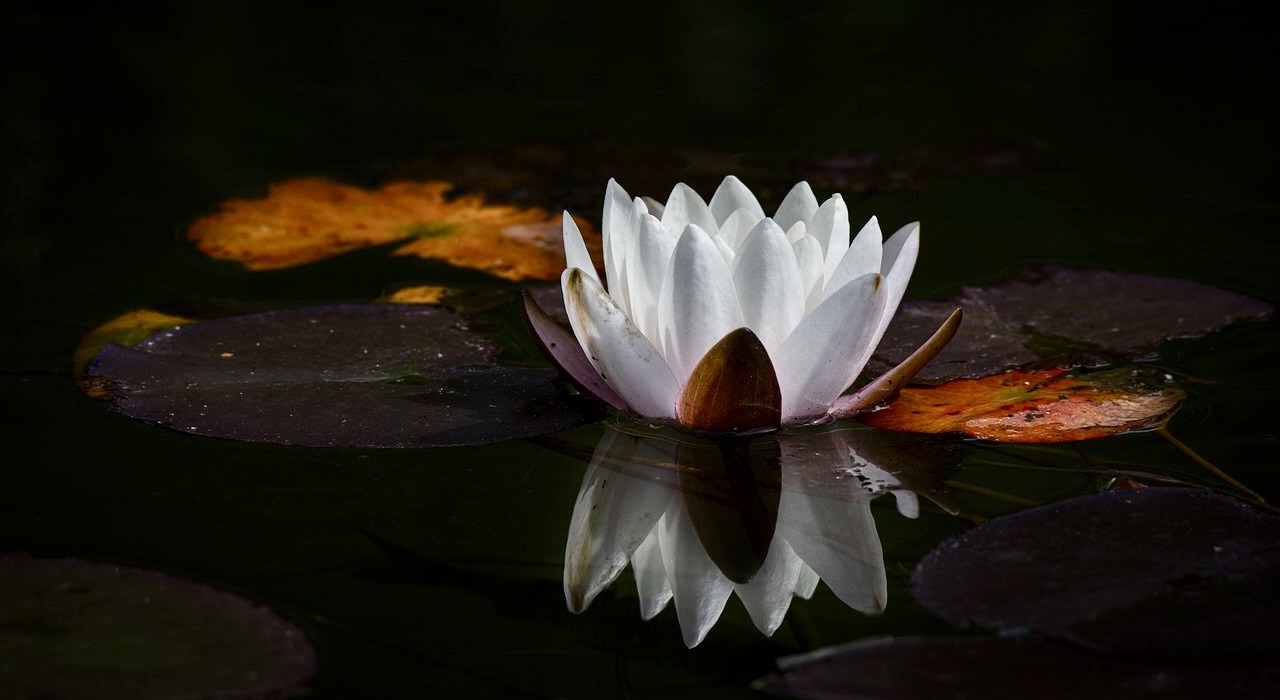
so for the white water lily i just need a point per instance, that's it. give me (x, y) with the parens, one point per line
(722, 319)
(636, 507)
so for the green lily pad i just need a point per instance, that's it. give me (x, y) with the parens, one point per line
(1168, 572)
(1051, 316)
(76, 629)
(368, 375)
(1017, 667)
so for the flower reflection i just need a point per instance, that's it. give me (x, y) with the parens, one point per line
(698, 520)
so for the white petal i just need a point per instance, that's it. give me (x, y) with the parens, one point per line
(575, 249)
(862, 258)
(698, 303)
(907, 502)
(617, 349)
(616, 228)
(725, 251)
(654, 206)
(646, 268)
(699, 589)
(797, 231)
(798, 205)
(768, 595)
(618, 506)
(770, 290)
(734, 230)
(651, 576)
(806, 582)
(732, 195)
(809, 261)
(835, 534)
(830, 225)
(900, 253)
(825, 353)
(685, 207)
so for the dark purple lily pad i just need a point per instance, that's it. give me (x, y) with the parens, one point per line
(75, 629)
(376, 375)
(1061, 316)
(1019, 667)
(1155, 571)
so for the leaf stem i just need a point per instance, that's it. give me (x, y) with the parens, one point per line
(991, 493)
(1209, 466)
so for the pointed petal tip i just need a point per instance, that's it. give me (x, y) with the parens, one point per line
(564, 351)
(693, 637)
(576, 600)
(880, 601)
(887, 385)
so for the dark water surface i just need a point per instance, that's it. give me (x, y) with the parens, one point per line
(1094, 134)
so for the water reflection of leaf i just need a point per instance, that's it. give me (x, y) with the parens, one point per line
(306, 220)
(698, 520)
(1036, 407)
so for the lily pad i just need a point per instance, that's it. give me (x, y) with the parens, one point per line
(1018, 667)
(1061, 316)
(128, 329)
(76, 629)
(1036, 407)
(1153, 571)
(373, 375)
(304, 220)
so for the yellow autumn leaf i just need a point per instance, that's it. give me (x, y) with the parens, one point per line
(1035, 407)
(309, 219)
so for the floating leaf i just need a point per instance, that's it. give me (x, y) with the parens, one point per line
(915, 168)
(1035, 407)
(420, 294)
(75, 629)
(1018, 667)
(305, 220)
(375, 375)
(1153, 571)
(1120, 312)
(1037, 319)
(982, 345)
(128, 329)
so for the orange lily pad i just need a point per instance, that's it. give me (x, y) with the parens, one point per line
(309, 219)
(1036, 407)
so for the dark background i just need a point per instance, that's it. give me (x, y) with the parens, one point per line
(1151, 130)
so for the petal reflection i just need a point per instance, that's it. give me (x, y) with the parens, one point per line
(766, 517)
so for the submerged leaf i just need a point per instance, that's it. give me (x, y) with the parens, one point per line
(75, 629)
(375, 375)
(305, 220)
(1035, 407)
(1152, 571)
(1052, 316)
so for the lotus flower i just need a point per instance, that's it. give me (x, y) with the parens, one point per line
(723, 320)
(682, 522)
